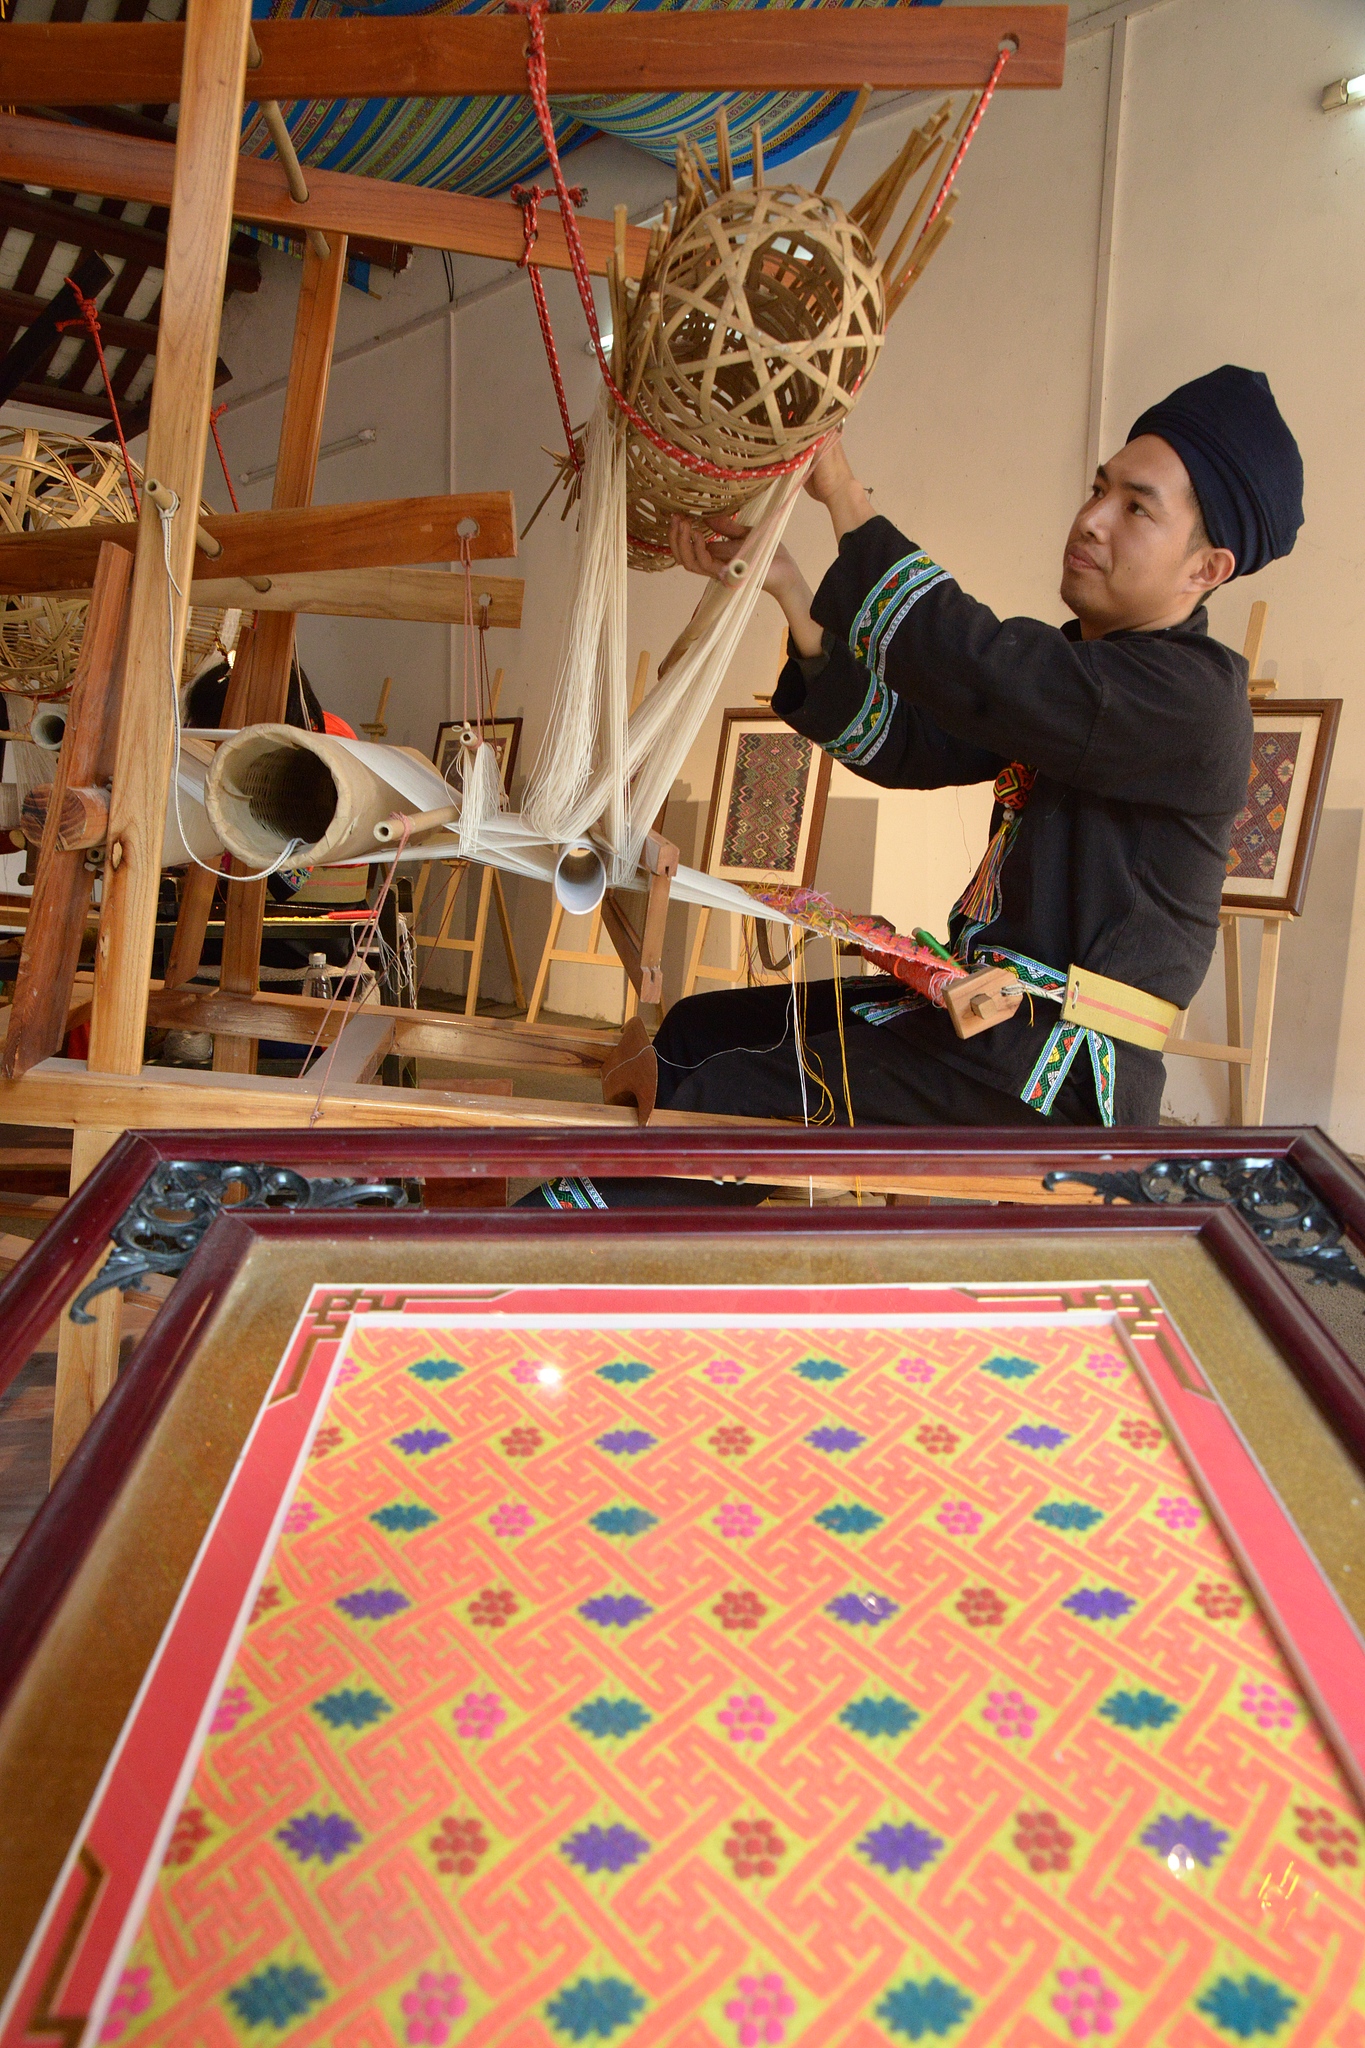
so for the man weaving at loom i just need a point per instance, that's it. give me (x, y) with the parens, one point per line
(1119, 748)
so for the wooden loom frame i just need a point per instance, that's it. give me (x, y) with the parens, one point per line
(204, 67)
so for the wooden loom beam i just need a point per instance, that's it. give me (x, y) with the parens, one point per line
(376, 535)
(434, 595)
(452, 56)
(124, 167)
(265, 689)
(197, 237)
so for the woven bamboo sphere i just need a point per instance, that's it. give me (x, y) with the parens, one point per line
(771, 315)
(52, 481)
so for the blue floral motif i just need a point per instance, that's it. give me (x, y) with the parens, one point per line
(348, 1709)
(857, 1609)
(623, 1521)
(324, 1835)
(614, 1849)
(1067, 1514)
(1039, 1436)
(626, 1442)
(829, 1439)
(1255, 2006)
(435, 1369)
(593, 2009)
(625, 1372)
(906, 1847)
(934, 2008)
(276, 1996)
(886, 1716)
(820, 1369)
(1100, 1603)
(615, 1610)
(1189, 1838)
(849, 1521)
(604, 1718)
(420, 1443)
(403, 1516)
(374, 1603)
(1135, 1710)
(1011, 1368)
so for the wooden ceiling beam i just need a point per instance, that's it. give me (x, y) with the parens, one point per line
(22, 309)
(125, 167)
(449, 56)
(389, 533)
(59, 222)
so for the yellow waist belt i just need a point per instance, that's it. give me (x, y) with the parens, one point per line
(1117, 1010)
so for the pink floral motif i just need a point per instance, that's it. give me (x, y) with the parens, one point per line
(349, 1371)
(479, 1715)
(724, 1372)
(737, 1519)
(1106, 1365)
(429, 2009)
(1010, 1714)
(1268, 1707)
(1177, 1512)
(235, 1703)
(133, 1996)
(958, 1517)
(747, 1716)
(1085, 2003)
(511, 1519)
(917, 1369)
(761, 2011)
(525, 1371)
(301, 1516)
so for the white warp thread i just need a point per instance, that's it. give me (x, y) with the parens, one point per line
(481, 796)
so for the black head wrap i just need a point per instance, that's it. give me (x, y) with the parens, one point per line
(1243, 461)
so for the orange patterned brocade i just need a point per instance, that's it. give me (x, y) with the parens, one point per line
(752, 1685)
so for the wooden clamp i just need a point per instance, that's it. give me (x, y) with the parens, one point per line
(642, 953)
(982, 1000)
(83, 822)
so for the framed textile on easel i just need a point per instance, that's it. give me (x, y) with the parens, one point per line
(766, 817)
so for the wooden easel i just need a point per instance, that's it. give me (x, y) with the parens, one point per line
(490, 891)
(592, 955)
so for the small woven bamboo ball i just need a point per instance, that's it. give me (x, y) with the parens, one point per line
(51, 481)
(771, 315)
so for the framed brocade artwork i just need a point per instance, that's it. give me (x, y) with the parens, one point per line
(767, 802)
(1273, 835)
(864, 1626)
(503, 736)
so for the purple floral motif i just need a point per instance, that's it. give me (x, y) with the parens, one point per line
(614, 1849)
(1186, 1841)
(747, 1716)
(479, 1715)
(1268, 1707)
(859, 1608)
(373, 1603)
(133, 1996)
(760, 2012)
(1177, 1512)
(301, 1515)
(918, 1370)
(1010, 1714)
(511, 1519)
(724, 1372)
(324, 1835)
(958, 1517)
(906, 1847)
(829, 1439)
(420, 1443)
(1100, 1603)
(626, 1443)
(1039, 1436)
(615, 1610)
(233, 1704)
(430, 2006)
(736, 1518)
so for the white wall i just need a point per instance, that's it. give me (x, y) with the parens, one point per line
(1238, 215)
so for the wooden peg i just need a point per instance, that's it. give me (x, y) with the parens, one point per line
(982, 1000)
(851, 120)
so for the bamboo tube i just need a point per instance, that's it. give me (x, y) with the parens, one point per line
(756, 153)
(920, 263)
(417, 822)
(851, 120)
(928, 192)
(286, 152)
(724, 174)
(905, 167)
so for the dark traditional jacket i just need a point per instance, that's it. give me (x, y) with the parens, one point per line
(1141, 746)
